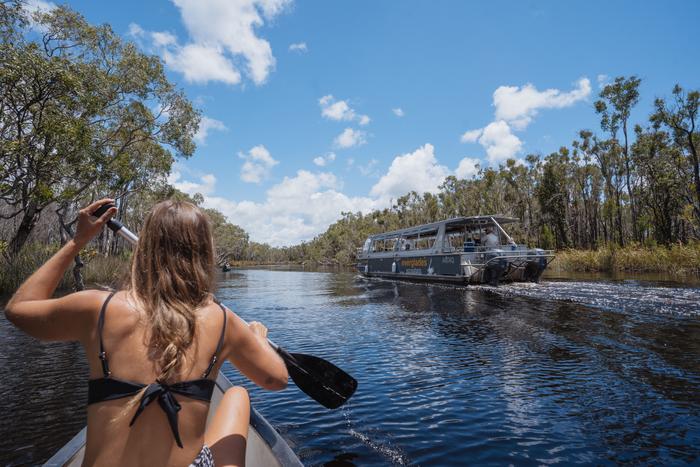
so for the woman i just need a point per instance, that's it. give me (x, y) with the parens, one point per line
(163, 340)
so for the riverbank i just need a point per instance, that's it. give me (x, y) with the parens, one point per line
(98, 270)
(675, 260)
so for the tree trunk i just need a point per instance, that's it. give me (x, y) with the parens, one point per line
(29, 219)
(696, 172)
(66, 233)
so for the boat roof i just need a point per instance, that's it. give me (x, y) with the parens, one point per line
(453, 222)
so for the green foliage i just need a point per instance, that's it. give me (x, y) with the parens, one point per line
(548, 241)
(674, 259)
(86, 114)
(77, 115)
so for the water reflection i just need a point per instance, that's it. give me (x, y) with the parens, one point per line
(563, 372)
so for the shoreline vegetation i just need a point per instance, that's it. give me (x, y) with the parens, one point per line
(677, 261)
(88, 114)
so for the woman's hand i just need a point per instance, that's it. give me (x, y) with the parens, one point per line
(89, 226)
(258, 329)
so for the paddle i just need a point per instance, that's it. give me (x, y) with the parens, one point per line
(320, 379)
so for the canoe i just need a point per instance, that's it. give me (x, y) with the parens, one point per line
(265, 448)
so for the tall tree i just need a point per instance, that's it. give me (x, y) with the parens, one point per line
(681, 117)
(615, 105)
(78, 108)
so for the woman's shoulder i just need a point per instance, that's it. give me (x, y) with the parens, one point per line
(88, 300)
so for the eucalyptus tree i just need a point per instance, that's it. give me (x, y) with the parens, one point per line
(80, 108)
(681, 118)
(615, 105)
(664, 178)
(553, 195)
(231, 241)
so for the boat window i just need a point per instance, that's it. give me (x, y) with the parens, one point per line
(455, 240)
(386, 244)
(422, 241)
(368, 242)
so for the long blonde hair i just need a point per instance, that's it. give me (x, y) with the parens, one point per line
(172, 274)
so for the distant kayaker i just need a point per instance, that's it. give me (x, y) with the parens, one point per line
(162, 339)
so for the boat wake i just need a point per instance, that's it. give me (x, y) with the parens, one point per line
(618, 296)
(622, 296)
(395, 455)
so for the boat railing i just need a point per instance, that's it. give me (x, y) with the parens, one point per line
(484, 249)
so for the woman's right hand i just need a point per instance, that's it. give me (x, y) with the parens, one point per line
(258, 329)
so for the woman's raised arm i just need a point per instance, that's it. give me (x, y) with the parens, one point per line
(33, 310)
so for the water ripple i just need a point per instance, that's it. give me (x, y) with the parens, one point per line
(563, 372)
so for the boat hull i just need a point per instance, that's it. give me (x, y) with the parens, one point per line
(265, 446)
(487, 267)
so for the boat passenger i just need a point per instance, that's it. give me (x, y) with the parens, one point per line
(490, 240)
(163, 338)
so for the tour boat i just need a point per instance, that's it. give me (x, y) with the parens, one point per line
(469, 250)
(265, 448)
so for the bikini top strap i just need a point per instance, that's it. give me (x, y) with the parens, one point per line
(219, 344)
(100, 327)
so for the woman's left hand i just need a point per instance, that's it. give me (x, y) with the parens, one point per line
(89, 226)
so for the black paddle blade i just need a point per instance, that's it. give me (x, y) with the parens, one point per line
(320, 379)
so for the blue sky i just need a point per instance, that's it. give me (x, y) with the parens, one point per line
(475, 82)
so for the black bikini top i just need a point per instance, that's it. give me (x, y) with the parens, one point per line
(108, 388)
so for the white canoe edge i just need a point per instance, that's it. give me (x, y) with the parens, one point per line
(265, 448)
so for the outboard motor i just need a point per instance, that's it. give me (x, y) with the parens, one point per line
(535, 267)
(495, 268)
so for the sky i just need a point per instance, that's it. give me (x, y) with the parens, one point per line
(314, 108)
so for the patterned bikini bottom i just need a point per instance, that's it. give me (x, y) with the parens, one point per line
(204, 458)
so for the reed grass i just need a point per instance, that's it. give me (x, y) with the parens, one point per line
(99, 270)
(675, 259)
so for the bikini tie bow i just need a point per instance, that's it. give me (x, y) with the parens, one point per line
(167, 402)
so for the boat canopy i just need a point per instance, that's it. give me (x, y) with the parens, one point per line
(456, 222)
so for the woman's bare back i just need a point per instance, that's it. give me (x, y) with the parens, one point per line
(150, 441)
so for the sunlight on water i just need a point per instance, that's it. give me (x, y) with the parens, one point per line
(563, 372)
(616, 296)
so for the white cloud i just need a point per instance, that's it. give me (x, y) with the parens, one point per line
(205, 185)
(471, 136)
(305, 204)
(602, 80)
(205, 126)
(467, 168)
(201, 64)
(340, 111)
(298, 47)
(295, 210)
(33, 6)
(222, 34)
(136, 31)
(369, 169)
(516, 107)
(258, 164)
(398, 111)
(349, 138)
(322, 161)
(519, 105)
(418, 171)
(37, 6)
(500, 143)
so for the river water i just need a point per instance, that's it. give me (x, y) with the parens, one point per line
(568, 371)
